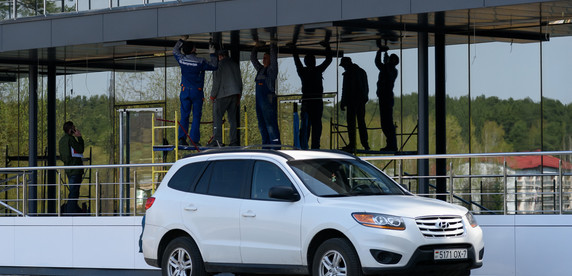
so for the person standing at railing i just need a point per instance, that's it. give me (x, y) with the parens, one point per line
(192, 82)
(354, 96)
(312, 90)
(71, 148)
(385, 83)
(225, 94)
(266, 101)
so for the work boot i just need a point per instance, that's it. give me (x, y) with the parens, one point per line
(215, 144)
(349, 148)
(388, 148)
(183, 142)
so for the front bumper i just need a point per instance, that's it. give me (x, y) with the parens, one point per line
(409, 251)
(421, 261)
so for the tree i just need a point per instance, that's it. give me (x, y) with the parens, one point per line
(33, 8)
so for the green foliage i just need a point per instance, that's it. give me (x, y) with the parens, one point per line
(481, 125)
(33, 8)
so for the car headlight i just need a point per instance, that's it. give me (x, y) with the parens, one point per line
(379, 221)
(472, 220)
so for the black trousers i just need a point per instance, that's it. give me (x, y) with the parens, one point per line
(311, 117)
(357, 112)
(386, 119)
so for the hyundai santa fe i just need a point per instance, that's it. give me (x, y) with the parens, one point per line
(301, 212)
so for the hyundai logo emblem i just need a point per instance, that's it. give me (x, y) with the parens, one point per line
(442, 224)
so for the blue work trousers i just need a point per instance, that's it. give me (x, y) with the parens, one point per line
(191, 98)
(266, 113)
(74, 183)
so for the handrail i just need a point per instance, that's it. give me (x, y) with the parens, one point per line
(10, 169)
(556, 176)
(466, 155)
(499, 190)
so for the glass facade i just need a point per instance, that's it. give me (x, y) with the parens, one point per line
(502, 95)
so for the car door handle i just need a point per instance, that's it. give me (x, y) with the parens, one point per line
(190, 207)
(249, 214)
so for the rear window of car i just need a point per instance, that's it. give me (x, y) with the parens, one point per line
(225, 178)
(186, 176)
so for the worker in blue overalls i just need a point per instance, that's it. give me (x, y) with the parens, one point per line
(192, 82)
(266, 102)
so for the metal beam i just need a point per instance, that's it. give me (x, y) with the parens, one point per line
(51, 174)
(440, 107)
(423, 104)
(33, 134)
(241, 47)
(384, 26)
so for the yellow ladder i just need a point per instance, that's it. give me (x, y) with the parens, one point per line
(157, 170)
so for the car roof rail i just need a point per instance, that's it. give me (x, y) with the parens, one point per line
(338, 152)
(271, 149)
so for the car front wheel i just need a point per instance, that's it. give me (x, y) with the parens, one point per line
(336, 257)
(182, 258)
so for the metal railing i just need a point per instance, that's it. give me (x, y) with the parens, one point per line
(484, 183)
(105, 194)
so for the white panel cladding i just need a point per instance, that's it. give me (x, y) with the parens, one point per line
(512, 243)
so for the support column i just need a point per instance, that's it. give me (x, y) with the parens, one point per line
(52, 130)
(440, 105)
(235, 56)
(33, 132)
(235, 46)
(423, 103)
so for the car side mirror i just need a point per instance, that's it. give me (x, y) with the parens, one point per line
(284, 193)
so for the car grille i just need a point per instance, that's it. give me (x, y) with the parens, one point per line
(442, 226)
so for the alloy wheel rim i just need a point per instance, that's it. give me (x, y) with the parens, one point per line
(180, 263)
(333, 264)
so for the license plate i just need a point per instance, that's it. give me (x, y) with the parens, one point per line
(450, 254)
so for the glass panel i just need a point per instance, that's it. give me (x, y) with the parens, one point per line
(457, 105)
(86, 5)
(59, 6)
(406, 100)
(123, 3)
(505, 97)
(29, 8)
(557, 100)
(6, 9)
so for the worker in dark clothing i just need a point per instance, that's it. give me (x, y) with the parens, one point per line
(385, 82)
(266, 102)
(312, 90)
(71, 148)
(192, 82)
(354, 96)
(225, 94)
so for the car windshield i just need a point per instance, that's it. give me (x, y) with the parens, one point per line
(344, 177)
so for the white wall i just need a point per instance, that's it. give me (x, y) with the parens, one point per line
(71, 242)
(526, 245)
(514, 245)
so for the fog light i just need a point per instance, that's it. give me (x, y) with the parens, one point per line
(481, 253)
(385, 257)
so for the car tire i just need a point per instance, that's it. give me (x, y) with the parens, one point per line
(182, 257)
(336, 256)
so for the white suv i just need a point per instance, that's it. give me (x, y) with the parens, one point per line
(301, 212)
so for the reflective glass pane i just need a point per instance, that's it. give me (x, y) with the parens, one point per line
(505, 97)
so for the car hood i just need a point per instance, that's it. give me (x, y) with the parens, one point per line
(396, 205)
